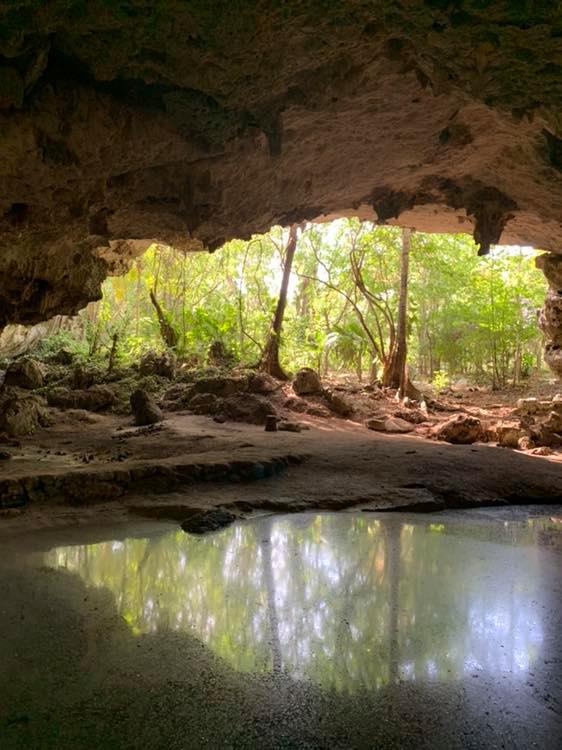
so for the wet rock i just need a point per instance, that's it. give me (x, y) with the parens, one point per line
(162, 364)
(461, 429)
(21, 412)
(204, 403)
(338, 404)
(144, 408)
(96, 398)
(206, 521)
(5, 455)
(249, 407)
(221, 386)
(24, 373)
(393, 425)
(307, 381)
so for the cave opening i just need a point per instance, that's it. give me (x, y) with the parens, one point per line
(280, 409)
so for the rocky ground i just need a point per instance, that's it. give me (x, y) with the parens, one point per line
(165, 441)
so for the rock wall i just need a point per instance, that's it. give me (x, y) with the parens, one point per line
(192, 123)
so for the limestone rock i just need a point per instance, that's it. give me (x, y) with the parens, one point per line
(285, 426)
(307, 381)
(527, 405)
(21, 412)
(393, 425)
(248, 407)
(162, 364)
(509, 434)
(24, 373)
(96, 398)
(221, 386)
(461, 429)
(206, 521)
(262, 382)
(204, 403)
(144, 408)
(338, 404)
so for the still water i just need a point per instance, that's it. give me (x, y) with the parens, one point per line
(351, 602)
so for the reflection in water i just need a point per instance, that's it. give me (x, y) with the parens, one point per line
(345, 600)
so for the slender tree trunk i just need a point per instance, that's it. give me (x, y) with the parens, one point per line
(169, 335)
(270, 359)
(396, 374)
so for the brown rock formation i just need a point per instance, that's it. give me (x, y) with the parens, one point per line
(190, 123)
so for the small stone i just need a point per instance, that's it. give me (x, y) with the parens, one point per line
(290, 426)
(542, 450)
(525, 443)
(5, 455)
(393, 425)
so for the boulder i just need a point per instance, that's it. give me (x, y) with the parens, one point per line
(262, 382)
(307, 381)
(527, 406)
(221, 386)
(393, 425)
(249, 407)
(144, 408)
(24, 373)
(204, 403)
(297, 404)
(96, 398)
(508, 434)
(21, 413)
(461, 429)
(338, 404)
(162, 364)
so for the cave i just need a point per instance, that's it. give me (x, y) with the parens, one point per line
(192, 579)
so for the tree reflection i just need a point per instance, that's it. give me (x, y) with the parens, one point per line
(348, 601)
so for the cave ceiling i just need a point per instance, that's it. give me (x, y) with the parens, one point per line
(193, 122)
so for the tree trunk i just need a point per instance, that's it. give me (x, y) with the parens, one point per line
(270, 359)
(169, 335)
(396, 373)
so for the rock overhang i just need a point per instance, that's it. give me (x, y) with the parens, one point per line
(124, 122)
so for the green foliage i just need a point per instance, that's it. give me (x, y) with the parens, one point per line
(468, 315)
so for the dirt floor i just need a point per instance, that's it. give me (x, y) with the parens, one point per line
(105, 469)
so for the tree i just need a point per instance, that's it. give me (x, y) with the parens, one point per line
(396, 374)
(270, 359)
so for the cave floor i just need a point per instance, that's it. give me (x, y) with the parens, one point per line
(103, 471)
(316, 630)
